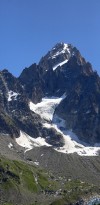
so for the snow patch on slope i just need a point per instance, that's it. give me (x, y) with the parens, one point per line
(29, 143)
(61, 51)
(12, 95)
(72, 144)
(60, 64)
(10, 145)
(47, 107)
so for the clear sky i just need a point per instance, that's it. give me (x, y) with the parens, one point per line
(29, 28)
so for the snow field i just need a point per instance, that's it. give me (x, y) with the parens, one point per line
(72, 144)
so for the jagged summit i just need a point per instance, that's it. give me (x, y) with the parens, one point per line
(61, 48)
(62, 52)
(59, 55)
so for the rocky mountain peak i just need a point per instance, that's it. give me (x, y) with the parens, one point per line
(59, 55)
(59, 49)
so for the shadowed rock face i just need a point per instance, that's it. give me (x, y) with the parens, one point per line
(15, 113)
(31, 79)
(81, 108)
(61, 70)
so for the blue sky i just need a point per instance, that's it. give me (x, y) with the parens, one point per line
(29, 28)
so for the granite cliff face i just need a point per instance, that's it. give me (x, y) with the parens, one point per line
(61, 71)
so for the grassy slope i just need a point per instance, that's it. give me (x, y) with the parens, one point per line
(21, 183)
(18, 177)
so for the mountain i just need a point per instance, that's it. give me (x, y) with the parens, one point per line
(61, 71)
(64, 70)
(49, 131)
